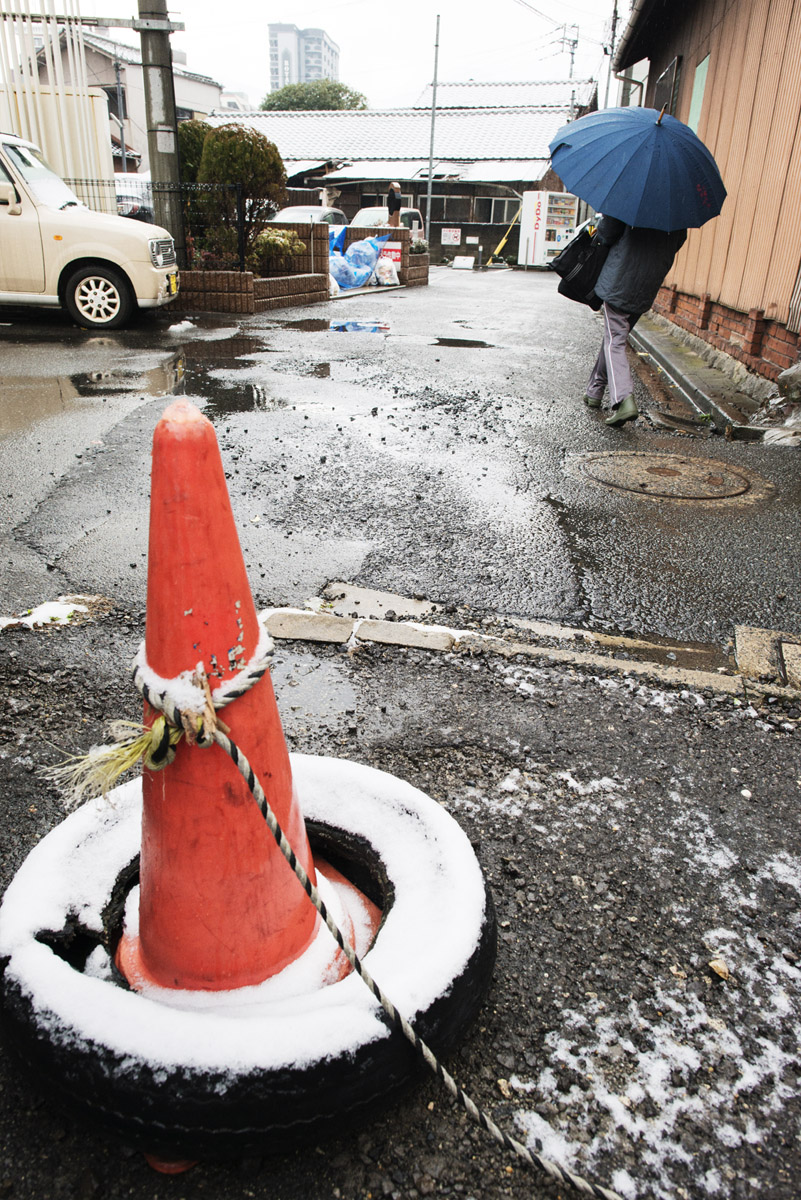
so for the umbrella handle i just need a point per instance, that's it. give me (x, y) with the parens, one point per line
(661, 115)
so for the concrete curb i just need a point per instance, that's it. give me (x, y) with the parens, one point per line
(703, 386)
(301, 625)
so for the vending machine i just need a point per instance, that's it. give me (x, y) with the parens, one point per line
(547, 223)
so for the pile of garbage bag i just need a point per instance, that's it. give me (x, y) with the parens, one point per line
(360, 264)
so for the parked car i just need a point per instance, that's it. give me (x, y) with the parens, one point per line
(55, 251)
(309, 214)
(134, 198)
(409, 217)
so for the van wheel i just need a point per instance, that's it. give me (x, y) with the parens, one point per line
(98, 297)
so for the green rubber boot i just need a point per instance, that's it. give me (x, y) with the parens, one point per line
(626, 411)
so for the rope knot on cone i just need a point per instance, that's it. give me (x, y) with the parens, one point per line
(186, 708)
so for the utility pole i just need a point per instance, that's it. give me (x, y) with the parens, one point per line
(611, 54)
(572, 42)
(121, 116)
(162, 130)
(431, 143)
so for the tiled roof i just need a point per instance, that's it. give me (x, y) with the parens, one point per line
(133, 55)
(539, 94)
(353, 135)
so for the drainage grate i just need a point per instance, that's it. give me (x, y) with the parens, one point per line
(672, 476)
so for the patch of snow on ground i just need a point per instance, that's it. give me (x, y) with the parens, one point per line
(703, 1065)
(604, 784)
(53, 612)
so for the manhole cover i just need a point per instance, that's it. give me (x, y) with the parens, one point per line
(671, 476)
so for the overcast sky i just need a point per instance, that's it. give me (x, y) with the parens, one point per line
(387, 49)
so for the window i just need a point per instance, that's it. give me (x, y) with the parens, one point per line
(111, 93)
(667, 87)
(448, 208)
(379, 199)
(697, 101)
(495, 210)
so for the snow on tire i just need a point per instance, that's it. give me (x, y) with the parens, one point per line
(216, 1073)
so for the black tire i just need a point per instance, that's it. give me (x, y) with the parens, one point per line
(182, 1111)
(99, 297)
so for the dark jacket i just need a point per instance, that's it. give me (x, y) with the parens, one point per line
(638, 261)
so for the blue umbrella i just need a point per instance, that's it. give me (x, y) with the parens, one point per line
(641, 166)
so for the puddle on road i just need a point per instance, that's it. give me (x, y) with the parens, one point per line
(165, 379)
(224, 351)
(226, 396)
(360, 326)
(464, 343)
(307, 325)
(28, 399)
(320, 325)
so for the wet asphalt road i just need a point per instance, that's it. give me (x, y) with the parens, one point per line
(631, 833)
(438, 452)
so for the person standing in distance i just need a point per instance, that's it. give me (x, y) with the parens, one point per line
(638, 261)
(394, 204)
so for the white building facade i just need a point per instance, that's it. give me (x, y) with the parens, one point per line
(301, 56)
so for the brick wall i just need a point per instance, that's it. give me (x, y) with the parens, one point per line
(242, 292)
(304, 279)
(764, 346)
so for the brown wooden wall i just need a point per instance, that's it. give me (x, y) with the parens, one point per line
(749, 256)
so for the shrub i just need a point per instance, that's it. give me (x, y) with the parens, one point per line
(235, 155)
(418, 246)
(272, 250)
(191, 136)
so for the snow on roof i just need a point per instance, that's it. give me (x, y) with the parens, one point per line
(510, 94)
(390, 169)
(397, 135)
(507, 170)
(297, 166)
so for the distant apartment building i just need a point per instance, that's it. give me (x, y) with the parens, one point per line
(301, 55)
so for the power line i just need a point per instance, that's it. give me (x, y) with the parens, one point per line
(537, 12)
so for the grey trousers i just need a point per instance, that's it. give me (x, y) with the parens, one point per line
(612, 365)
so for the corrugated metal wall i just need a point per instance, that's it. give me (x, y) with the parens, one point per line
(62, 118)
(749, 256)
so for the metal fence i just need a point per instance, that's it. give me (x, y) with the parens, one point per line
(212, 224)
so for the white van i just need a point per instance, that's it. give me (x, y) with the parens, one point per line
(56, 251)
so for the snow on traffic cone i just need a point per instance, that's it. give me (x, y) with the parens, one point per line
(219, 906)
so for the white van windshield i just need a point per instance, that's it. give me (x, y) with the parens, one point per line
(48, 187)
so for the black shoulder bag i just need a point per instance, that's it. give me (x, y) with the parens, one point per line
(579, 265)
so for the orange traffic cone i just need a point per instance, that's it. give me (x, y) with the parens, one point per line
(219, 906)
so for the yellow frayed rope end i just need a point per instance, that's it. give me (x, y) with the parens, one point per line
(88, 776)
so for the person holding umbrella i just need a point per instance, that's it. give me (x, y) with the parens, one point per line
(638, 261)
(652, 178)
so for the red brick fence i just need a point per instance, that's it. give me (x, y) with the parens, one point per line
(763, 345)
(303, 280)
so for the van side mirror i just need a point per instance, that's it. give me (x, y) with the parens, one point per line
(8, 196)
